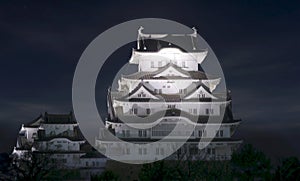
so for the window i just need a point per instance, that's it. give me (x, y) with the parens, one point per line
(182, 91)
(127, 133)
(194, 111)
(171, 106)
(142, 94)
(213, 151)
(145, 151)
(157, 151)
(140, 151)
(127, 151)
(209, 111)
(183, 64)
(148, 111)
(142, 133)
(208, 151)
(134, 110)
(219, 133)
(200, 133)
(201, 94)
(152, 64)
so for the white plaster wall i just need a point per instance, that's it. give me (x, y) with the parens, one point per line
(210, 130)
(55, 129)
(146, 65)
(159, 106)
(70, 160)
(29, 133)
(60, 144)
(176, 84)
(93, 162)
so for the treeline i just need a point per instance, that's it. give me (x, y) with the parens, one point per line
(246, 164)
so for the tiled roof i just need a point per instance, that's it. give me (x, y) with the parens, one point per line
(170, 97)
(150, 75)
(75, 136)
(227, 118)
(51, 119)
(34, 123)
(59, 118)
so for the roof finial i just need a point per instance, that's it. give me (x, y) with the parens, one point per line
(140, 29)
(139, 35)
(195, 31)
(194, 35)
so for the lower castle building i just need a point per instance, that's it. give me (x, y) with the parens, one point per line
(58, 136)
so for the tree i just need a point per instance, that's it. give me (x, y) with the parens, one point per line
(288, 170)
(107, 175)
(158, 171)
(250, 164)
(33, 166)
(5, 167)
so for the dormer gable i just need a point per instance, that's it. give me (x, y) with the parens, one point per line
(141, 91)
(171, 70)
(200, 92)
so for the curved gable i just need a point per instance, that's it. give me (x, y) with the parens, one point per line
(172, 71)
(141, 92)
(200, 92)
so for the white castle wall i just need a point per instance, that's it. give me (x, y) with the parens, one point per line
(131, 84)
(59, 144)
(195, 108)
(210, 131)
(55, 129)
(29, 133)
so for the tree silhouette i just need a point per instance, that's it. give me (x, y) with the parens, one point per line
(288, 170)
(5, 167)
(251, 164)
(105, 176)
(33, 166)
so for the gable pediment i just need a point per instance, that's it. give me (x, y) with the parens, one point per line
(172, 71)
(142, 92)
(200, 92)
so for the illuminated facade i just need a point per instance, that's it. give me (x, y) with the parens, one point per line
(170, 90)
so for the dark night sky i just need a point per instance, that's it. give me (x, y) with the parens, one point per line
(257, 43)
